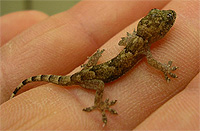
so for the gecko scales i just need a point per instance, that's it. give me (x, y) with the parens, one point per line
(151, 28)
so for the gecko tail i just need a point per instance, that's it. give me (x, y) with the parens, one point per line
(56, 79)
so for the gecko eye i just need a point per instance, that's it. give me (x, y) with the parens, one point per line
(170, 16)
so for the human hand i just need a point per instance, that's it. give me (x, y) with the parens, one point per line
(62, 42)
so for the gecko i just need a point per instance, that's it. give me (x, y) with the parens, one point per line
(150, 29)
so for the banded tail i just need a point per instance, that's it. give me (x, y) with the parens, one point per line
(59, 80)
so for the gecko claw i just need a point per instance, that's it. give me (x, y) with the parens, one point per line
(113, 102)
(173, 75)
(169, 63)
(88, 109)
(108, 104)
(167, 78)
(174, 68)
(103, 106)
(167, 71)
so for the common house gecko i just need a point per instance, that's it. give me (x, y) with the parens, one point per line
(151, 28)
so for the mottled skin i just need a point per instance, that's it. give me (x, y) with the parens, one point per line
(151, 28)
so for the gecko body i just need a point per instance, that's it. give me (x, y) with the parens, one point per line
(151, 28)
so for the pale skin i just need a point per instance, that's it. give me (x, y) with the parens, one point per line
(61, 100)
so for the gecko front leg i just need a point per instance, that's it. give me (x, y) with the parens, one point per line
(129, 38)
(165, 68)
(98, 85)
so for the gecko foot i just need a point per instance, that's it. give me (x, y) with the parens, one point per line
(103, 106)
(168, 69)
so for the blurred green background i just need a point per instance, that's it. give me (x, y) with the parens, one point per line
(49, 7)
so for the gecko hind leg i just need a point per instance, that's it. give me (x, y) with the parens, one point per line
(98, 85)
(93, 59)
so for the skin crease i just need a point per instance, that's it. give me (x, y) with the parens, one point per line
(49, 107)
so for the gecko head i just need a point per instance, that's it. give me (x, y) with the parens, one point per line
(156, 24)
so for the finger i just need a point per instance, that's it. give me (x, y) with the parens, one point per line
(141, 91)
(144, 90)
(14, 23)
(179, 113)
(22, 103)
(47, 108)
(62, 42)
